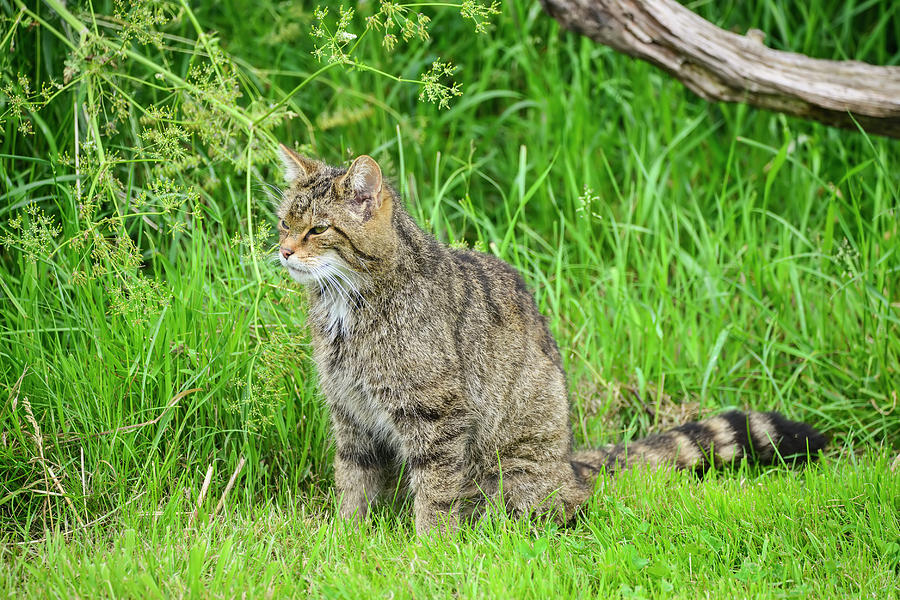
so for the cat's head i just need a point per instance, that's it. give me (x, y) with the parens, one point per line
(333, 223)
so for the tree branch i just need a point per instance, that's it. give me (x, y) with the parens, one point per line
(722, 66)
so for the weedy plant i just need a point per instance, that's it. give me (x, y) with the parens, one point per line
(158, 118)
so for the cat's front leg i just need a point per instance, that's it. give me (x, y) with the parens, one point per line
(434, 447)
(361, 467)
(438, 504)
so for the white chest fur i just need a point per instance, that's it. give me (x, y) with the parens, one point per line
(335, 310)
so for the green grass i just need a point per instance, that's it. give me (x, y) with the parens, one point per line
(642, 537)
(691, 257)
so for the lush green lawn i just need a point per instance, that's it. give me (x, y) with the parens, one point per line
(828, 532)
(691, 257)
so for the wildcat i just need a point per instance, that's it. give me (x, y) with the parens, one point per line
(438, 359)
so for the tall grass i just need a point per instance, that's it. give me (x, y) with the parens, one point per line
(691, 256)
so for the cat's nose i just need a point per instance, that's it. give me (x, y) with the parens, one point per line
(286, 252)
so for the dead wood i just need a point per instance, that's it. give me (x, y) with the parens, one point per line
(723, 66)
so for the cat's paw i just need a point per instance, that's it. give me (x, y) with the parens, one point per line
(353, 509)
(436, 522)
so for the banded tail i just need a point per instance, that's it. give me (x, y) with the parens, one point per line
(759, 436)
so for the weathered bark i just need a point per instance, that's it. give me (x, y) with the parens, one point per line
(720, 65)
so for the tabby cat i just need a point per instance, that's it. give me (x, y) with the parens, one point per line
(437, 359)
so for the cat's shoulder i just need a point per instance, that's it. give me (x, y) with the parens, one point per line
(494, 268)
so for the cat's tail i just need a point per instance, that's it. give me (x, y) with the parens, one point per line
(763, 437)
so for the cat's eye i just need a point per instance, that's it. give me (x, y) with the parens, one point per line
(318, 229)
(284, 224)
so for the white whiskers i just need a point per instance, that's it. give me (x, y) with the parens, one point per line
(339, 289)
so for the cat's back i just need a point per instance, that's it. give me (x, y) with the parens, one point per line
(460, 288)
(496, 307)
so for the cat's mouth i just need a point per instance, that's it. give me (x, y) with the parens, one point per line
(328, 269)
(298, 271)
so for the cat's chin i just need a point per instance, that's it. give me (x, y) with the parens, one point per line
(304, 277)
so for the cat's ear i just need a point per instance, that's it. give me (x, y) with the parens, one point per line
(363, 179)
(296, 166)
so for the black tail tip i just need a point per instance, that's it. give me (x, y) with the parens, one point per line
(800, 442)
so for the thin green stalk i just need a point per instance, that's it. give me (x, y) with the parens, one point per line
(296, 89)
(46, 25)
(250, 233)
(12, 28)
(201, 35)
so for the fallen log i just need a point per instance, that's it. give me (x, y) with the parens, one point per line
(719, 65)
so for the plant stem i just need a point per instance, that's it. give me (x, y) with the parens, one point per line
(299, 87)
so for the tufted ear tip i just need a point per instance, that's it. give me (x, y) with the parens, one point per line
(296, 166)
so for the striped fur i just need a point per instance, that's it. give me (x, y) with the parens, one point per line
(760, 437)
(437, 361)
